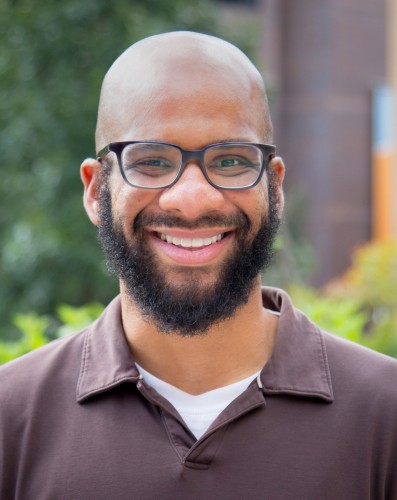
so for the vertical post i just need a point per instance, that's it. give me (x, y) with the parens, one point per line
(382, 162)
(391, 61)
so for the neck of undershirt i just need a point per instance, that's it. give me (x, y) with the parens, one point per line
(198, 412)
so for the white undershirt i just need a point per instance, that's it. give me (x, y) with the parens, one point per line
(198, 412)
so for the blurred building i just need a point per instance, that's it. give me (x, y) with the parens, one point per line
(331, 68)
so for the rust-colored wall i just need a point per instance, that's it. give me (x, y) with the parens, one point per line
(325, 57)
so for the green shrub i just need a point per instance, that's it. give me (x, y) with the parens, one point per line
(348, 318)
(343, 317)
(33, 328)
(37, 331)
(373, 275)
(361, 305)
(74, 319)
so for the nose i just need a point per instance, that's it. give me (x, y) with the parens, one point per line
(192, 196)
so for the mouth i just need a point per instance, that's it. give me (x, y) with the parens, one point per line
(191, 242)
(191, 248)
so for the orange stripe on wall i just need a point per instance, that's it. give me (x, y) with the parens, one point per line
(381, 196)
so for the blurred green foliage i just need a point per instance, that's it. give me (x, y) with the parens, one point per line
(74, 319)
(362, 305)
(33, 328)
(343, 317)
(373, 277)
(52, 61)
(36, 331)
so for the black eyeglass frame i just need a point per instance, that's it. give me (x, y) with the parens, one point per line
(268, 152)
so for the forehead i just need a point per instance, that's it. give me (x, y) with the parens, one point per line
(209, 115)
(194, 91)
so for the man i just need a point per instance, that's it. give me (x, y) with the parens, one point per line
(194, 383)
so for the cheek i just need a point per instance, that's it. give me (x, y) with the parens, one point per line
(253, 202)
(263, 199)
(128, 202)
(263, 189)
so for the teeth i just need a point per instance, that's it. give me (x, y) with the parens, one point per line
(186, 242)
(190, 242)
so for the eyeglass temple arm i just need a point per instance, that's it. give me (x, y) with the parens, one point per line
(104, 151)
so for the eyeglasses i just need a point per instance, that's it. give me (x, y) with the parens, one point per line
(158, 165)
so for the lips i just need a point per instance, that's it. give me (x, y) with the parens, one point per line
(186, 248)
(190, 242)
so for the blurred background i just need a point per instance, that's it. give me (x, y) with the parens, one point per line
(331, 72)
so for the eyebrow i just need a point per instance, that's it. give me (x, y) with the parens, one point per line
(232, 139)
(216, 141)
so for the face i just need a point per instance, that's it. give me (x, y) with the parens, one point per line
(189, 256)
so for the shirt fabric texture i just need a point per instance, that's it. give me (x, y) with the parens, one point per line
(78, 423)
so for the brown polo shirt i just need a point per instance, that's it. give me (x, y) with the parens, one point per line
(76, 422)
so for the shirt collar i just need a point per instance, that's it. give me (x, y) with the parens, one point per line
(298, 365)
(106, 359)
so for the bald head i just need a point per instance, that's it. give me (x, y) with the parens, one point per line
(173, 71)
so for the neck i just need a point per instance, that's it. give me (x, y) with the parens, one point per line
(230, 351)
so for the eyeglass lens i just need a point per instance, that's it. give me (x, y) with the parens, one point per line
(157, 165)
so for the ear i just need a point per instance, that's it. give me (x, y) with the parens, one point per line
(90, 172)
(278, 170)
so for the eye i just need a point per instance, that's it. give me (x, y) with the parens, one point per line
(231, 165)
(230, 162)
(159, 163)
(150, 166)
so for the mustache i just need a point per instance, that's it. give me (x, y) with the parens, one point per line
(239, 220)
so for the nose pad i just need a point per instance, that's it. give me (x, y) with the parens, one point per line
(192, 195)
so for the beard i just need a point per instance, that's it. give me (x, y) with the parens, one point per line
(189, 308)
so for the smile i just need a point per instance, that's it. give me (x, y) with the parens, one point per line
(193, 249)
(190, 242)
